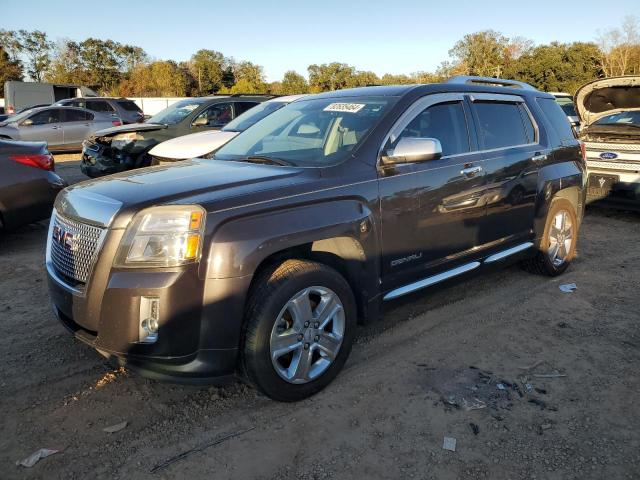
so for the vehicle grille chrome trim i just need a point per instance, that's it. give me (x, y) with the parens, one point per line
(427, 282)
(72, 254)
(613, 147)
(510, 251)
(616, 165)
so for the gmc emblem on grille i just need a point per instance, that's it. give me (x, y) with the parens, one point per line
(64, 239)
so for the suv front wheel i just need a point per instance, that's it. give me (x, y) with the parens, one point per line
(558, 246)
(299, 329)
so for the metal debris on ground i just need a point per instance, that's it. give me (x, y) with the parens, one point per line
(568, 287)
(115, 428)
(449, 444)
(35, 457)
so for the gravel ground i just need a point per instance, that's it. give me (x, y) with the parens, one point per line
(405, 387)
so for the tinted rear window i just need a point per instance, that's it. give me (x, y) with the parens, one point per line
(501, 125)
(129, 105)
(558, 119)
(99, 106)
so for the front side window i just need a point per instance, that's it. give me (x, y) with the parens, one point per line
(310, 133)
(501, 125)
(45, 117)
(175, 113)
(445, 122)
(215, 116)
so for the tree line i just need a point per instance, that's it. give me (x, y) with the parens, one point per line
(113, 68)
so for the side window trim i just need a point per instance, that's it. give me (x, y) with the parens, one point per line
(415, 109)
(500, 98)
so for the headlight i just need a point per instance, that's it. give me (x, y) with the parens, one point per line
(123, 139)
(165, 236)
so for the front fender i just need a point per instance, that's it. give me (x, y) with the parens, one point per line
(240, 245)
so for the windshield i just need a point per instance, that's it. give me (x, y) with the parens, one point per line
(252, 116)
(309, 133)
(174, 113)
(621, 118)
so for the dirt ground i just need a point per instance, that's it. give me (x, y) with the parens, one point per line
(407, 385)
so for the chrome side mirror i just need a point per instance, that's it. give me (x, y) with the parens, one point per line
(414, 150)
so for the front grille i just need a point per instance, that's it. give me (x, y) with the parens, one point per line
(613, 147)
(74, 247)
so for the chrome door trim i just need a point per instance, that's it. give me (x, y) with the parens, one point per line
(510, 251)
(427, 282)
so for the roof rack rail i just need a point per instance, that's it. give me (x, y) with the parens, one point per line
(501, 82)
(253, 95)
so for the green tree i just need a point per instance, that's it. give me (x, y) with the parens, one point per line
(208, 69)
(9, 69)
(330, 76)
(558, 66)
(293, 83)
(37, 48)
(481, 53)
(363, 79)
(248, 77)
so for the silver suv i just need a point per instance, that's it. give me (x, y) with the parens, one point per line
(123, 108)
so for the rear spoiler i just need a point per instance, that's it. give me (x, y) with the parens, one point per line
(490, 82)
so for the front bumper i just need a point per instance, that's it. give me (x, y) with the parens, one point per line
(99, 160)
(191, 347)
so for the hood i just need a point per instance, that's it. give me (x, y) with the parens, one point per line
(134, 127)
(212, 182)
(607, 96)
(193, 145)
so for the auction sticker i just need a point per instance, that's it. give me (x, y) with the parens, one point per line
(344, 107)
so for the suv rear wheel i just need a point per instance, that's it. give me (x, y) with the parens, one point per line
(558, 245)
(299, 329)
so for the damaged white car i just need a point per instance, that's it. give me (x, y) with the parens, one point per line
(609, 110)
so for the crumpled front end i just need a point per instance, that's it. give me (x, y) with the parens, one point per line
(104, 155)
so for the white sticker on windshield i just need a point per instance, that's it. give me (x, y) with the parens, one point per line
(344, 107)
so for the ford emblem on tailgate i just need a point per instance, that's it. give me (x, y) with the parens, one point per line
(608, 155)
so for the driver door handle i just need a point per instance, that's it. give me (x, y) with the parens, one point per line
(471, 171)
(55, 127)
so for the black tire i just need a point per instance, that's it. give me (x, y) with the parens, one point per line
(541, 264)
(272, 290)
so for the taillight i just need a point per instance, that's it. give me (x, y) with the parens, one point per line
(11, 110)
(45, 162)
(116, 123)
(583, 150)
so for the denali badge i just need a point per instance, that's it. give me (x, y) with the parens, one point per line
(64, 238)
(608, 155)
(410, 258)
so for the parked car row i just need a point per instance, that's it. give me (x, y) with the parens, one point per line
(260, 260)
(126, 147)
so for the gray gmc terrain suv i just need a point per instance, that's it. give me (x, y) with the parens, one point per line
(261, 261)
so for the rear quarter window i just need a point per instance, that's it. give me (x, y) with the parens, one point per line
(129, 105)
(557, 118)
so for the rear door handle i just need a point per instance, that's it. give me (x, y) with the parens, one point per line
(539, 158)
(471, 171)
(55, 127)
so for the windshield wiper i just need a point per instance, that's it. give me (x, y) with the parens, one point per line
(267, 160)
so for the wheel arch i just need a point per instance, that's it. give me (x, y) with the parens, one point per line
(340, 234)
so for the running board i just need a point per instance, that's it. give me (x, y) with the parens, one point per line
(427, 282)
(441, 277)
(506, 253)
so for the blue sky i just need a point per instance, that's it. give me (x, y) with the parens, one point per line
(383, 36)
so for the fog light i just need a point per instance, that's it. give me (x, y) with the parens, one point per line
(149, 314)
